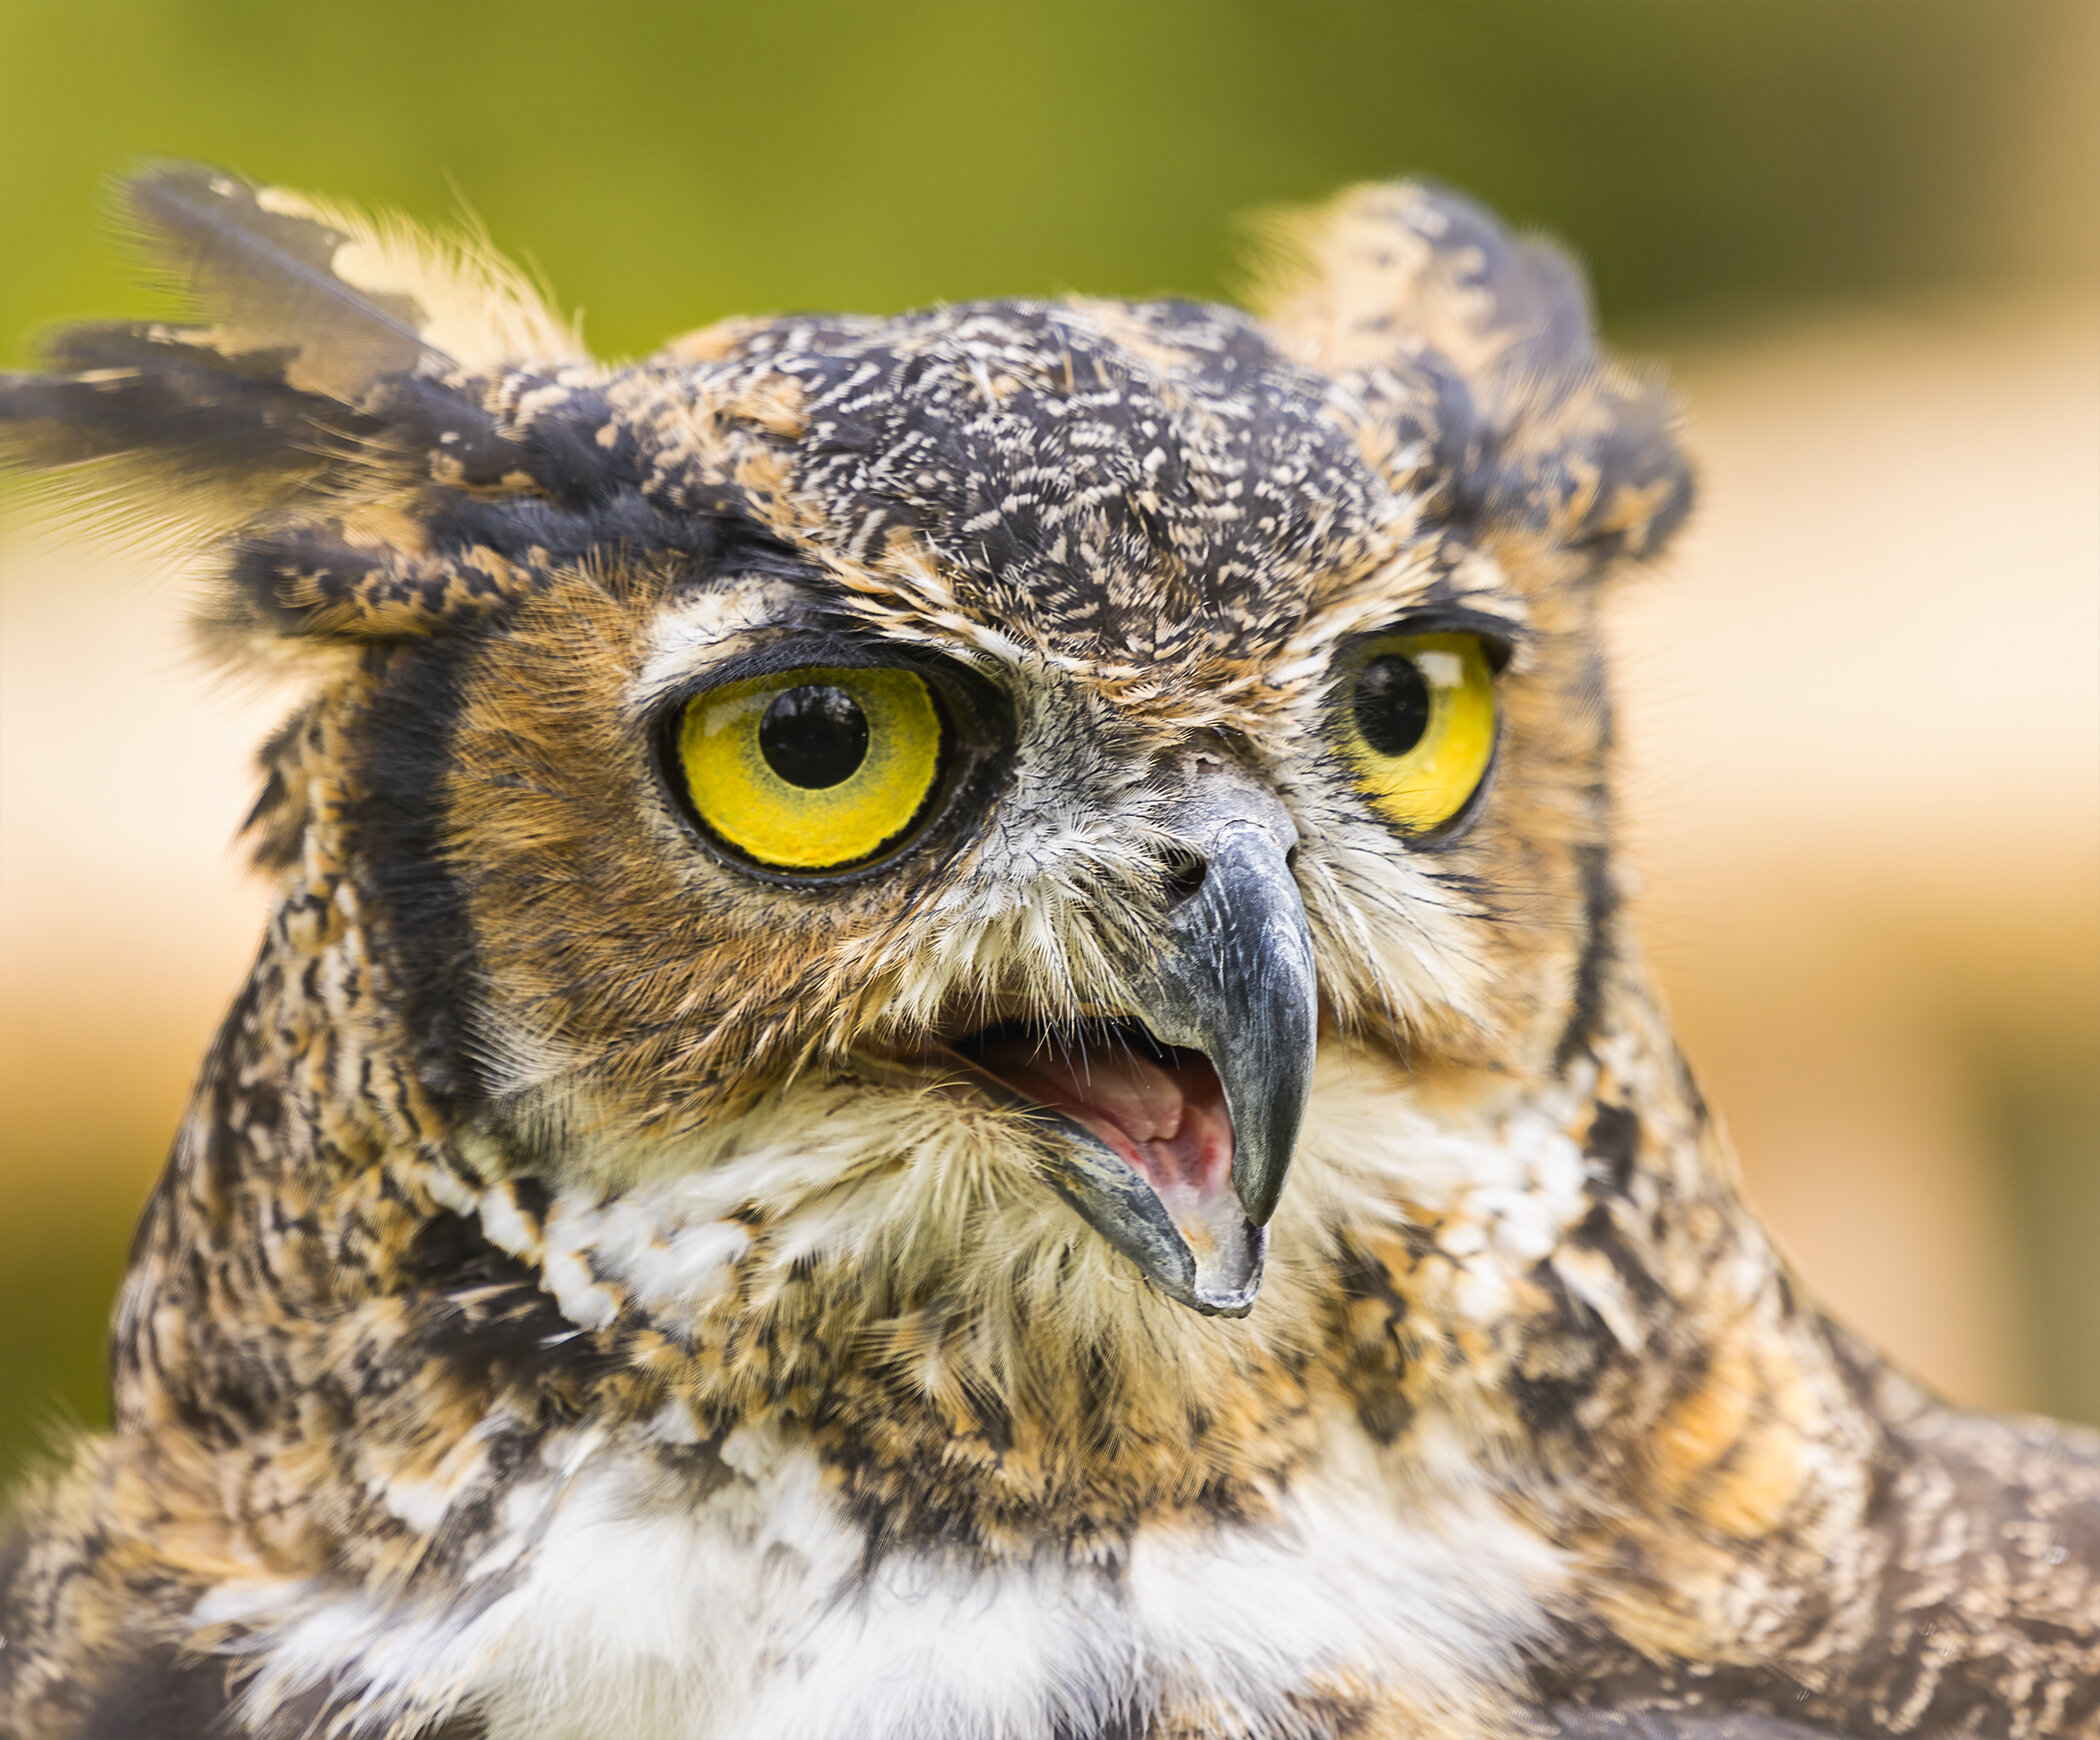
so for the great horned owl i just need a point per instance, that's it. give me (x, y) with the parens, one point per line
(948, 1047)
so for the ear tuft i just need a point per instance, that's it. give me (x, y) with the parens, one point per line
(454, 298)
(316, 327)
(337, 404)
(1473, 356)
(261, 272)
(349, 298)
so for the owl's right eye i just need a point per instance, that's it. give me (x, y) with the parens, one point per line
(815, 770)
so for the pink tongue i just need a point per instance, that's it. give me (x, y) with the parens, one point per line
(1168, 1120)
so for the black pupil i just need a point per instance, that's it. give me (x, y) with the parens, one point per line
(1392, 704)
(814, 736)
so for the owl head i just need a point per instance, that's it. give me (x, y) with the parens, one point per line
(964, 768)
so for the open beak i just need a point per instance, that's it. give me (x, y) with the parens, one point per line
(1180, 1121)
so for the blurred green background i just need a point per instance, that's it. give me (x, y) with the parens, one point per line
(668, 163)
(1721, 167)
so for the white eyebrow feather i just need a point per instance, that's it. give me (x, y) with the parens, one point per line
(691, 631)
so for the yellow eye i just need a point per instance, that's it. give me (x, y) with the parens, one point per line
(813, 769)
(1416, 716)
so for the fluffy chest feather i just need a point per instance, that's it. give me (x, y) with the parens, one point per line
(660, 1578)
(767, 1609)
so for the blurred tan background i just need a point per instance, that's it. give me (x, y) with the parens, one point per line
(1860, 708)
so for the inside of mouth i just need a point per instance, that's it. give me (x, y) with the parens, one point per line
(1160, 1108)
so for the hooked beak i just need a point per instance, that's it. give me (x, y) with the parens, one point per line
(1183, 1185)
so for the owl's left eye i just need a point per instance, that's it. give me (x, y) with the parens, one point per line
(1415, 719)
(814, 770)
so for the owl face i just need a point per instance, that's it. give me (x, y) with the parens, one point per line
(1037, 729)
(1095, 804)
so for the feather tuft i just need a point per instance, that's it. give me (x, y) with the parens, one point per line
(348, 298)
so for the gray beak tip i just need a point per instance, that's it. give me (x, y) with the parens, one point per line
(1225, 1280)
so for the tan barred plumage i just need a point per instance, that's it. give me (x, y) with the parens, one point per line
(610, 1283)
